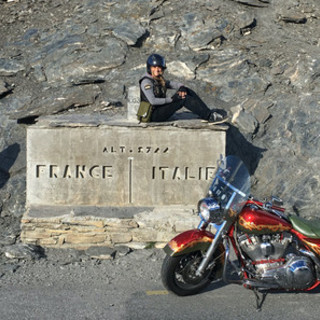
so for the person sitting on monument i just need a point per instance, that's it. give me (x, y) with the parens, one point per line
(153, 89)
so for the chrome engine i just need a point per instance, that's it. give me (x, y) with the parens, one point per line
(275, 262)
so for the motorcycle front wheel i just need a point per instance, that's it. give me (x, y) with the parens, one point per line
(179, 274)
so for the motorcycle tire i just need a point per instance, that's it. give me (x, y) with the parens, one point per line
(178, 274)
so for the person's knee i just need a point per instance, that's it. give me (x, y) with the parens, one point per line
(190, 99)
(190, 92)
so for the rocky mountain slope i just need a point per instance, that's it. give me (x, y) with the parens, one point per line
(257, 59)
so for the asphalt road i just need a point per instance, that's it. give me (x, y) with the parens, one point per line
(129, 287)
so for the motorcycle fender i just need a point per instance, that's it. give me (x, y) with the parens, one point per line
(189, 241)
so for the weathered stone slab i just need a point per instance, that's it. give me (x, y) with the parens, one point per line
(120, 166)
(133, 103)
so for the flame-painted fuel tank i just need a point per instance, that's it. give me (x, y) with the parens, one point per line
(257, 221)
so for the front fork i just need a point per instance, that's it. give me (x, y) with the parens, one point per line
(221, 230)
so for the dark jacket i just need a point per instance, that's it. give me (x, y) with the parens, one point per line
(152, 91)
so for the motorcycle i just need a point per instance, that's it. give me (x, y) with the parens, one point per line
(272, 250)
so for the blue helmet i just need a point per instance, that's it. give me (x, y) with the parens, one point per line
(155, 60)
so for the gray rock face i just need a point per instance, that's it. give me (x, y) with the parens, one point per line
(72, 64)
(10, 67)
(3, 88)
(257, 59)
(130, 32)
(56, 100)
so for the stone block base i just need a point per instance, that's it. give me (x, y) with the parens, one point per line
(96, 182)
(85, 227)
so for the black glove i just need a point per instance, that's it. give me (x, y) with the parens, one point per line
(183, 89)
(176, 97)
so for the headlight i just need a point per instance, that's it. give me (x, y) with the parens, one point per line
(210, 210)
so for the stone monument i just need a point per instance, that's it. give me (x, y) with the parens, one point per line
(110, 165)
(92, 181)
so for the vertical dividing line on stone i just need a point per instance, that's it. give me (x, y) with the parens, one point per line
(130, 181)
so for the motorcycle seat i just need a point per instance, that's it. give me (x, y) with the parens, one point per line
(309, 228)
